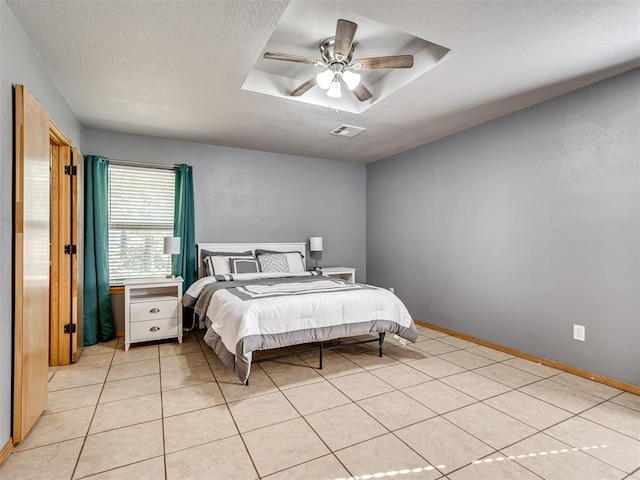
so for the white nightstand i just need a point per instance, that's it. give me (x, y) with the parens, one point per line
(152, 309)
(345, 273)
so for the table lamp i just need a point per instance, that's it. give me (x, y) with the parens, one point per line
(171, 247)
(315, 247)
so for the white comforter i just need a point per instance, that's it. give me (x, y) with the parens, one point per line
(233, 319)
(290, 312)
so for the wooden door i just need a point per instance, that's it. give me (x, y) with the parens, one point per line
(64, 249)
(31, 261)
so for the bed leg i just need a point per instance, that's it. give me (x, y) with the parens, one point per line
(320, 358)
(380, 342)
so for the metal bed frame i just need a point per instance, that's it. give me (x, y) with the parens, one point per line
(320, 349)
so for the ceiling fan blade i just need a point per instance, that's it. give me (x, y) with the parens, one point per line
(345, 31)
(375, 63)
(290, 58)
(304, 88)
(362, 93)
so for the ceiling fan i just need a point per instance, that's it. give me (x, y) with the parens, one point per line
(337, 60)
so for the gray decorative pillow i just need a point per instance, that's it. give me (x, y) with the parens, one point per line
(243, 265)
(262, 251)
(276, 262)
(208, 253)
(210, 263)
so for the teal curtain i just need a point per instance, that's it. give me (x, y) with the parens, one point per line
(184, 264)
(98, 318)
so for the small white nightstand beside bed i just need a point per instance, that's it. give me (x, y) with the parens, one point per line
(152, 309)
(344, 273)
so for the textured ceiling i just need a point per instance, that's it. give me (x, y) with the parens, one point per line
(175, 69)
(372, 39)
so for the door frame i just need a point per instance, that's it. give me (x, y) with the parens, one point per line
(63, 284)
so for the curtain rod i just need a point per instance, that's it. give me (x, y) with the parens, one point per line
(129, 163)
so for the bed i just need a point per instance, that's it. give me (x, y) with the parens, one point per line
(246, 310)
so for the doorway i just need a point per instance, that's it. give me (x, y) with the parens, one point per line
(65, 341)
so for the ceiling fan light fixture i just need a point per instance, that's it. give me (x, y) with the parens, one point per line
(337, 54)
(351, 79)
(323, 79)
(334, 89)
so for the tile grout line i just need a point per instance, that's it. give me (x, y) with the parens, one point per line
(282, 391)
(537, 430)
(388, 431)
(620, 395)
(238, 433)
(331, 452)
(395, 389)
(121, 427)
(605, 426)
(553, 404)
(95, 409)
(577, 415)
(573, 415)
(164, 443)
(233, 419)
(477, 401)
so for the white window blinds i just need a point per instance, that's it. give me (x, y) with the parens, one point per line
(141, 202)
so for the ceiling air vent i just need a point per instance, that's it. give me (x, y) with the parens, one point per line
(346, 131)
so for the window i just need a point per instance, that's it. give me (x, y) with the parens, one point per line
(141, 202)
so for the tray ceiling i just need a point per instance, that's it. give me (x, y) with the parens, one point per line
(175, 69)
(372, 39)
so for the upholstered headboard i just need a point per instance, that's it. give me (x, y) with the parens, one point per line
(242, 247)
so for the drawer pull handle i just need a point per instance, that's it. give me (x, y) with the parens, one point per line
(154, 310)
(154, 329)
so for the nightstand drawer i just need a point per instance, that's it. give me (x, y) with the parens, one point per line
(152, 310)
(153, 329)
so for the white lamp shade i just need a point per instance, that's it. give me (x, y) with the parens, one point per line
(315, 244)
(351, 79)
(334, 89)
(323, 79)
(171, 245)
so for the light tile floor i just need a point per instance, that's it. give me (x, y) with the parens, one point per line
(442, 408)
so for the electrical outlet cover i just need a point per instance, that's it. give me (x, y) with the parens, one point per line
(579, 332)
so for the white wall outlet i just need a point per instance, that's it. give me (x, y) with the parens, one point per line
(392, 290)
(578, 332)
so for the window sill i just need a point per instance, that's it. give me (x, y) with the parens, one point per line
(116, 289)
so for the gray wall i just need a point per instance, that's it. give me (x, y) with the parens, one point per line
(516, 229)
(511, 231)
(249, 196)
(19, 63)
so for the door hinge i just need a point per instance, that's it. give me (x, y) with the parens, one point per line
(70, 249)
(70, 328)
(70, 170)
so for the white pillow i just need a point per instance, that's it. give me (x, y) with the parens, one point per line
(295, 262)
